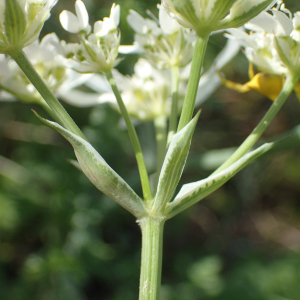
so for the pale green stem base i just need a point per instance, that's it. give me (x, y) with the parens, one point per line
(263, 124)
(160, 124)
(133, 137)
(174, 107)
(57, 109)
(192, 88)
(152, 242)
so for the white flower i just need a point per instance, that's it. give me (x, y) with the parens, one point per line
(96, 52)
(108, 25)
(206, 16)
(164, 42)
(147, 93)
(49, 65)
(273, 42)
(21, 22)
(78, 23)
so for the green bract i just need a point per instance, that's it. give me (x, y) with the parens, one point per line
(21, 22)
(173, 165)
(206, 16)
(100, 173)
(193, 192)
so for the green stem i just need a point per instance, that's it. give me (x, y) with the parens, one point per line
(263, 124)
(133, 137)
(160, 124)
(58, 110)
(192, 88)
(174, 108)
(151, 264)
(47, 108)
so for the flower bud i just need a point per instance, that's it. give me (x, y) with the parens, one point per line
(212, 15)
(21, 22)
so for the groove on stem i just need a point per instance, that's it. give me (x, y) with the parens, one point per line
(151, 263)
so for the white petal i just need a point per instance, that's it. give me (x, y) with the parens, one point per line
(99, 84)
(262, 22)
(143, 68)
(285, 23)
(115, 14)
(82, 14)
(136, 21)
(81, 99)
(98, 26)
(132, 49)
(296, 20)
(69, 21)
(167, 24)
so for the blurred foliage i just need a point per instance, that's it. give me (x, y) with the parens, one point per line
(61, 239)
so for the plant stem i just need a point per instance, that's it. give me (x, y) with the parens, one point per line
(192, 88)
(49, 111)
(160, 124)
(58, 110)
(174, 108)
(263, 124)
(152, 241)
(134, 139)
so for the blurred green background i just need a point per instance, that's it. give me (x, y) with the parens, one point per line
(61, 239)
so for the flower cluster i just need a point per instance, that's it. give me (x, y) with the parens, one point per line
(146, 93)
(164, 42)
(21, 22)
(50, 66)
(212, 15)
(97, 51)
(273, 41)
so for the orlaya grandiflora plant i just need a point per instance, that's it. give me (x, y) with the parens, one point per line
(213, 15)
(21, 22)
(97, 51)
(273, 46)
(164, 42)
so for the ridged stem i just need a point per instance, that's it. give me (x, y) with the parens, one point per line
(192, 88)
(151, 263)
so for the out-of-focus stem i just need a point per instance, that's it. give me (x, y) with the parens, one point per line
(174, 107)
